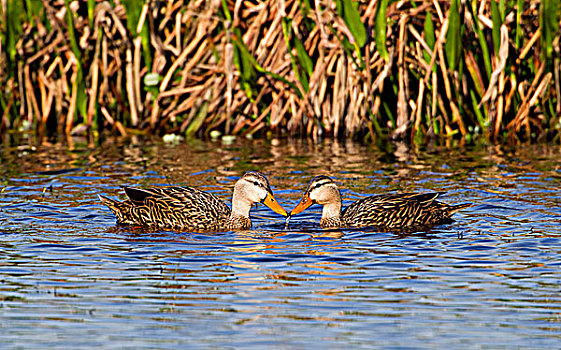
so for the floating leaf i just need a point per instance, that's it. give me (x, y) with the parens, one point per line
(152, 79)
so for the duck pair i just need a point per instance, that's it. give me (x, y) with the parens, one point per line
(189, 209)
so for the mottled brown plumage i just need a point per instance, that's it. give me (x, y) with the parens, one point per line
(393, 212)
(187, 208)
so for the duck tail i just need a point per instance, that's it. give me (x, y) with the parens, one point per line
(107, 201)
(121, 210)
(455, 208)
(111, 204)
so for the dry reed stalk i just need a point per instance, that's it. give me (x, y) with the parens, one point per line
(437, 47)
(72, 107)
(43, 93)
(136, 74)
(5, 123)
(129, 79)
(447, 88)
(557, 80)
(500, 65)
(522, 114)
(166, 80)
(93, 91)
(529, 46)
(31, 98)
(402, 119)
(337, 96)
(417, 110)
(500, 105)
(229, 71)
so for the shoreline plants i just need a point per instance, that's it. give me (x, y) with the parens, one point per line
(408, 70)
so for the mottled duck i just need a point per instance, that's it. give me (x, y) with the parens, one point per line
(190, 209)
(392, 212)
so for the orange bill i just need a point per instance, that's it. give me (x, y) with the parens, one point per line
(305, 202)
(272, 203)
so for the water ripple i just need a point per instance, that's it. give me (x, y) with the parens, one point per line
(488, 280)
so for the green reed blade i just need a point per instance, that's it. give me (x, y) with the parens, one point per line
(242, 50)
(351, 16)
(481, 120)
(348, 9)
(304, 7)
(91, 12)
(306, 65)
(482, 42)
(519, 32)
(72, 33)
(300, 65)
(81, 96)
(548, 25)
(134, 10)
(227, 14)
(13, 30)
(502, 9)
(197, 122)
(381, 29)
(242, 57)
(497, 22)
(430, 39)
(453, 40)
(34, 9)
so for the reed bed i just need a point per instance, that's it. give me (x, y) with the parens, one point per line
(410, 70)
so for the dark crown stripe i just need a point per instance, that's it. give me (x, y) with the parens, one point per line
(319, 181)
(257, 179)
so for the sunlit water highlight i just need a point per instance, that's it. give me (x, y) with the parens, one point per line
(69, 275)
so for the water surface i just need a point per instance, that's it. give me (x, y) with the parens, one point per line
(491, 279)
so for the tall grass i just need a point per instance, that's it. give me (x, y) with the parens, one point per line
(409, 70)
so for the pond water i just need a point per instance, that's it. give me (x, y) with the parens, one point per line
(70, 275)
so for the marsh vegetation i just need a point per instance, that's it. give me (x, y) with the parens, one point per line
(403, 69)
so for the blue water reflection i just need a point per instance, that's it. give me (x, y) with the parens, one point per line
(69, 275)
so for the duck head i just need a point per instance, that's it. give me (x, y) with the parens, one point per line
(321, 190)
(253, 187)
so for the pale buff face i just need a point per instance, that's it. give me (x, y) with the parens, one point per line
(323, 190)
(254, 187)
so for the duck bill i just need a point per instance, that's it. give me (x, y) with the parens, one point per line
(272, 203)
(304, 204)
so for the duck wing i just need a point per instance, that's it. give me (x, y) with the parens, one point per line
(179, 207)
(392, 211)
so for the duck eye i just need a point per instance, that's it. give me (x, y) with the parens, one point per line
(304, 200)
